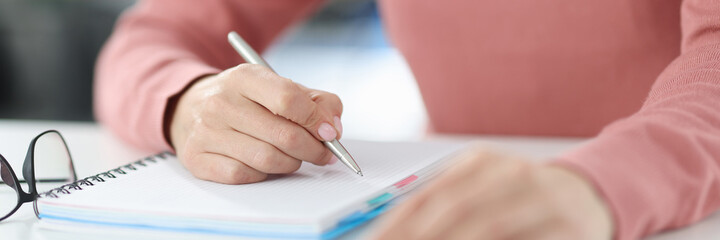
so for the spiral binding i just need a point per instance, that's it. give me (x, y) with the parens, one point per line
(101, 177)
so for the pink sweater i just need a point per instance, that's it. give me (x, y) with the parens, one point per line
(560, 68)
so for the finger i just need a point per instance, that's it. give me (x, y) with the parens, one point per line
(505, 220)
(252, 119)
(470, 164)
(475, 194)
(391, 225)
(509, 206)
(219, 168)
(331, 103)
(284, 98)
(441, 214)
(256, 154)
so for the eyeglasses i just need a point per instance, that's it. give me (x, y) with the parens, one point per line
(47, 165)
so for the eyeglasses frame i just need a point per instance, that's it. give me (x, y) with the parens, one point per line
(29, 173)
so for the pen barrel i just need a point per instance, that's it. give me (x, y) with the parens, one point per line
(245, 51)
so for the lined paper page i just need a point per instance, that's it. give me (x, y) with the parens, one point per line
(309, 195)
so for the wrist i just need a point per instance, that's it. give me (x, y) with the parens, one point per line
(590, 203)
(172, 112)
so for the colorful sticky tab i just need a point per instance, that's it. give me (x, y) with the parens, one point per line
(405, 181)
(379, 199)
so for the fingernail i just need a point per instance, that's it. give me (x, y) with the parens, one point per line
(327, 132)
(338, 124)
(333, 160)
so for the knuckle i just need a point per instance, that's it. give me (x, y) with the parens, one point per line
(294, 166)
(247, 72)
(195, 164)
(239, 174)
(204, 131)
(229, 73)
(216, 113)
(287, 95)
(258, 69)
(288, 138)
(189, 159)
(201, 168)
(212, 105)
(269, 160)
(265, 159)
(201, 133)
(193, 153)
(246, 68)
(336, 99)
(235, 175)
(312, 118)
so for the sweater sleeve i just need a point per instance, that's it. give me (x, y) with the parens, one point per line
(659, 169)
(160, 46)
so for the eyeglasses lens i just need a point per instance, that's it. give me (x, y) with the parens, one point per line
(53, 166)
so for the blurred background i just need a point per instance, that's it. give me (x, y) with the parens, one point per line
(48, 50)
(47, 53)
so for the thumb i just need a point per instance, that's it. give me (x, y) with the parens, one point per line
(331, 105)
(283, 97)
(314, 110)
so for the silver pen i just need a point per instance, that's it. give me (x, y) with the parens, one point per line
(250, 56)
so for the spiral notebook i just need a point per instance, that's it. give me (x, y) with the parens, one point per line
(158, 194)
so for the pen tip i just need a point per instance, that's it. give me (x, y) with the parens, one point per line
(360, 173)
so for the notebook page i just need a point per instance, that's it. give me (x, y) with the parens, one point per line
(304, 197)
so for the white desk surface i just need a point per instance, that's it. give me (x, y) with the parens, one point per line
(94, 150)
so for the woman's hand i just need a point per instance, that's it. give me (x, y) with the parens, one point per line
(492, 196)
(246, 122)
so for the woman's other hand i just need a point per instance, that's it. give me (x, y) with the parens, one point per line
(487, 195)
